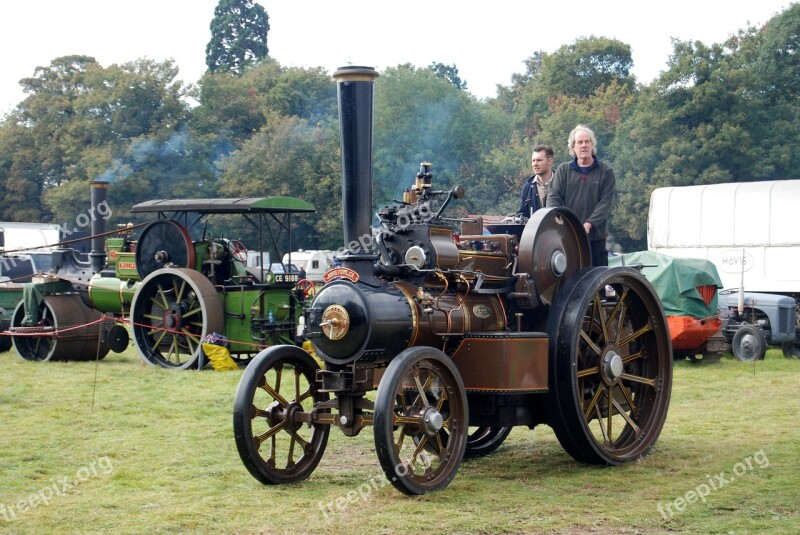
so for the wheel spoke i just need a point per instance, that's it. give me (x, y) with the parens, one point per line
(627, 395)
(198, 309)
(403, 420)
(587, 372)
(594, 347)
(269, 433)
(646, 328)
(440, 446)
(296, 439)
(619, 310)
(422, 389)
(162, 302)
(599, 417)
(157, 335)
(592, 404)
(597, 311)
(173, 349)
(419, 450)
(178, 290)
(637, 379)
(275, 395)
(625, 415)
(440, 402)
(190, 338)
(632, 357)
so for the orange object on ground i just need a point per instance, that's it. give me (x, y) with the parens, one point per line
(690, 333)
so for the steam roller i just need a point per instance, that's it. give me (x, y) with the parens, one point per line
(63, 328)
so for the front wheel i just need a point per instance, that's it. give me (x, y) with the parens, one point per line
(749, 343)
(80, 335)
(420, 420)
(272, 414)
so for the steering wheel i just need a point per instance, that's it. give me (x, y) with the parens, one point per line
(237, 250)
(308, 287)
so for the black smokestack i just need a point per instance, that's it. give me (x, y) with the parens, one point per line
(99, 213)
(355, 90)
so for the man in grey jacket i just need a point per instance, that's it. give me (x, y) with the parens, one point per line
(586, 186)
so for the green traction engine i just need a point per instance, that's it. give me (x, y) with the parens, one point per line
(168, 288)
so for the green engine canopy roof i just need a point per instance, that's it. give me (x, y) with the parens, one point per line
(240, 205)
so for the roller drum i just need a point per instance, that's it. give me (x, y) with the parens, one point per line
(66, 330)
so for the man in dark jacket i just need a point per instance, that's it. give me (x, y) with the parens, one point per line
(586, 186)
(534, 190)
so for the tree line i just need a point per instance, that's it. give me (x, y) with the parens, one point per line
(722, 112)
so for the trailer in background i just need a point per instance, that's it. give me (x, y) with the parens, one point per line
(314, 262)
(22, 236)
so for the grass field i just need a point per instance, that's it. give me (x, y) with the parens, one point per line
(118, 447)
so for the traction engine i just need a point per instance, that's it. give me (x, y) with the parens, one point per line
(172, 290)
(463, 334)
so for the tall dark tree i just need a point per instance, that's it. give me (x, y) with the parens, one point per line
(449, 73)
(238, 36)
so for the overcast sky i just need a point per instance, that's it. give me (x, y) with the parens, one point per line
(487, 41)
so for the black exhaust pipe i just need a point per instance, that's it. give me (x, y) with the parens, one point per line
(355, 93)
(98, 198)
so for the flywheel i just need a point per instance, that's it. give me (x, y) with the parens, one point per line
(553, 246)
(163, 243)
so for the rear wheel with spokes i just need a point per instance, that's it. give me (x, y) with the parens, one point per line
(172, 311)
(611, 366)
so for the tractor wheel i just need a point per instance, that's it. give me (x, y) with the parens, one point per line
(271, 416)
(749, 343)
(173, 309)
(791, 350)
(421, 420)
(610, 366)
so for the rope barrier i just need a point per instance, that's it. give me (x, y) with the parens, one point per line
(49, 331)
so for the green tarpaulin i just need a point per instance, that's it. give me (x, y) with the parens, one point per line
(676, 281)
